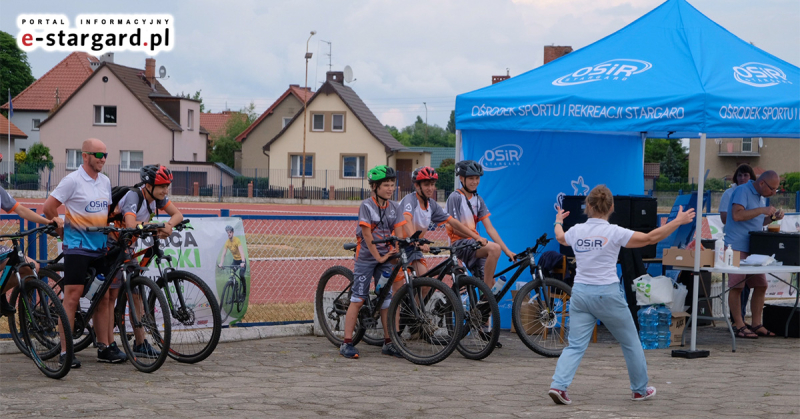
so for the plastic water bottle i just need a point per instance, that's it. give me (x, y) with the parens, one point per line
(96, 284)
(664, 322)
(384, 279)
(648, 324)
(719, 252)
(729, 256)
(499, 284)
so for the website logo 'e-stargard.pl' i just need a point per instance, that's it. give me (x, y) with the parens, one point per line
(96, 34)
(759, 75)
(619, 69)
(501, 157)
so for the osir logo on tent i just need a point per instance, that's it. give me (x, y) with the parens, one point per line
(619, 69)
(501, 157)
(759, 75)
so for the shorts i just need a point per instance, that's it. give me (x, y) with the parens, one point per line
(414, 255)
(364, 272)
(753, 281)
(471, 260)
(76, 268)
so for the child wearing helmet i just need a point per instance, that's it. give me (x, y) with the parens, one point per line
(467, 207)
(420, 210)
(378, 218)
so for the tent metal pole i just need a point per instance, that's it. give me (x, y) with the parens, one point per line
(458, 156)
(698, 234)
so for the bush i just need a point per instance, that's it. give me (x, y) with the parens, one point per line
(664, 184)
(447, 175)
(27, 181)
(258, 183)
(715, 184)
(791, 182)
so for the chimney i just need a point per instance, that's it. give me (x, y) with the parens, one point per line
(498, 79)
(107, 58)
(552, 52)
(335, 76)
(150, 72)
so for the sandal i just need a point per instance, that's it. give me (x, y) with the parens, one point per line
(755, 329)
(745, 333)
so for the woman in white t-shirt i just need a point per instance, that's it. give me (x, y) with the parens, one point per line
(596, 294)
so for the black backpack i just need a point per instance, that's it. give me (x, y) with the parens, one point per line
(117, 192)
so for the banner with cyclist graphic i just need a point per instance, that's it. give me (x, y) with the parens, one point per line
(214, 249)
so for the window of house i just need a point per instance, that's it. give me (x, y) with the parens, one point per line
(296, 166)
(36, 123)
(74, 159)
(338, 122)
(747, 145)
(131, 160)
(190, 121)
(353, 166)
(194, 156)
(286, 120)
(318, 122)
(105, 115)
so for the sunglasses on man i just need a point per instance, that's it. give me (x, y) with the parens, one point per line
(97, 155)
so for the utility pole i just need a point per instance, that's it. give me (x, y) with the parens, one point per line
(305, 117)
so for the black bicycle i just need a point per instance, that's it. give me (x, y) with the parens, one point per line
(481, 313)
(424, 317)
(234, 293)
(35, 327)
(540, 311)
(196, 322)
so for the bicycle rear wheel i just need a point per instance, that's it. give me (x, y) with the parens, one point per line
(82, 333)
(40, 315)
(331, 303)
(196, 326)
(541, 316)
(226, 300)
(432, 320)
(481, 318)
(151, 307)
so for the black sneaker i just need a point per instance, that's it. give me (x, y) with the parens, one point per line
(390, 350)
(107, 354)
(145, 350)
(75, 363)
(113, 347)
(6, 309)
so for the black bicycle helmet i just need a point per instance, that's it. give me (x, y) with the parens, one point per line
(380, 173)
(468, 168)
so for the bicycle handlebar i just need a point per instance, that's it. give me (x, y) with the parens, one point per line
(541, 241)
(139, 229)
(46, 229)
(403, 242)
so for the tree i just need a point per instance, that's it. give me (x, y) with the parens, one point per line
(15, 72)
(414, 135)
(195, 96)
(671, 166)
(226, 145)
(451, 124)
(655, 151)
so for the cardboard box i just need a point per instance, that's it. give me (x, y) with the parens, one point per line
(678, 326)
(685, 257)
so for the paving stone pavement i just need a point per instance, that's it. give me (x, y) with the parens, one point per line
(305, 377)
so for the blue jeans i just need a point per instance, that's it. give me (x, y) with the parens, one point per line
(606, 303)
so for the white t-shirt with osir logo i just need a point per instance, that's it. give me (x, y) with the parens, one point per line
(596, 244)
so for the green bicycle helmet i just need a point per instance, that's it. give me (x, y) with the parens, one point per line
(380, 173)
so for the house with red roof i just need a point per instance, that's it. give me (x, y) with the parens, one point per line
(32, 105)
(16, 135)
(140, 122)
(215, 123)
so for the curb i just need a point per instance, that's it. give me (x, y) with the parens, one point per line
(229, 334)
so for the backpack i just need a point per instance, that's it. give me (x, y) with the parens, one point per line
(117, 192)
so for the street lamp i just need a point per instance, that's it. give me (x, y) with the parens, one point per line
(305, 107)
(426, 122)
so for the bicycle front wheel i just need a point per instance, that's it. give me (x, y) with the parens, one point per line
(425, 321)
(331, 303)
(148, 344)
(226, 300)
(481, 318)
(40, 316)
(541, 316)
(82, 331)
(196, 325)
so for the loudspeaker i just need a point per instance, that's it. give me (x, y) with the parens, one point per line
(622, 212)
(775, 316)
(643, 211)
(648, 252)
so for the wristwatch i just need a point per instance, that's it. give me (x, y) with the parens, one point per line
(558, 223)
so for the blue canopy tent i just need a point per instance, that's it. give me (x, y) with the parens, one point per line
(582, 119)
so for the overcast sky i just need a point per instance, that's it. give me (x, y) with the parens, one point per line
(403, 53)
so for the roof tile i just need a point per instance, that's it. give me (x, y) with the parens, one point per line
(66, 76)
(15, 132)
(214, 123)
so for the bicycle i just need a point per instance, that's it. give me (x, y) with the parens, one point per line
(477, 300)
(234, 293)
(540, 310)
(423, 316)
(196, 322)
(39, 313)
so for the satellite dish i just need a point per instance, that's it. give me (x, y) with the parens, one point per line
(760, 142)
(718, 141)
(348, 74)
(162, 72)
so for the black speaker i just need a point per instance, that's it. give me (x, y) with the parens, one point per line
(576, 206)
(643, 212)
(622, 212)
(648, 252)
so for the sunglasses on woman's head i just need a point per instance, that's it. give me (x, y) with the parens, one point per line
(97, 155)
